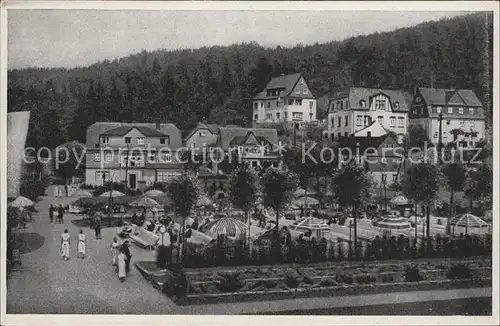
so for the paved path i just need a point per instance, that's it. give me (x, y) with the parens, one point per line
(47, 285)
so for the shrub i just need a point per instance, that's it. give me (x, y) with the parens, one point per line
(386, 278)
(292, 280)
(365, 279)
(343, 278)
(229, 282)
(412, 274)
(327, 282)
(459, 271)
(308, 280)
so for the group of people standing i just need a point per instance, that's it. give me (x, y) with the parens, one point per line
(121, 257)
(56, 211)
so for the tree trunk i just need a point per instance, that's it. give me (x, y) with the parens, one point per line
(450, 213)
(180, 240)
(247, 216)
(427, 221)
(470, 205)
(416, 226)
(355, 234)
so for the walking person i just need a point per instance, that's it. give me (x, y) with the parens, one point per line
(114, 251)
(164, 248)
(97, 226)
(65, 242)
(60, 214)
(81, 244)
(122, 259)
(51, 213)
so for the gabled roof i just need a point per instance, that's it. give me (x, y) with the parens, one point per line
(286, 84)
(227, 135)
(437, 96)
(376, 129)
(123, 130)
(250, 139)
(213, 128)
(98, 128)
(357, 94)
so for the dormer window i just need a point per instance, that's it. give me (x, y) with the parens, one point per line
(127, 140)
(104, 139)
(305, 91)
(162, 140)
(362, 103)
(396, 105)
(202, 134)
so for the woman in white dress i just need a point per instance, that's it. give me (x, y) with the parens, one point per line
(81, 244)
(121, 265)
(114, 251)
(65, 242)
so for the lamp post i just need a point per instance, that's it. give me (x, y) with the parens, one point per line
(440, 143)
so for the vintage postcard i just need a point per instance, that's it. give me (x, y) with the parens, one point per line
(239, 162)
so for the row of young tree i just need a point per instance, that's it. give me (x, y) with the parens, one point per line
(217, 83)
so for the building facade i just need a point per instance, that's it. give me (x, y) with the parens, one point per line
(135, 153)
(354, 108)
(202, 135)
(462, 115)
(252, 145)
(285, 99)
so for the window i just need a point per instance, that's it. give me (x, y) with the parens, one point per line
(277, 104)
(165, 176)
(396, 105)
(339, 121)
(368, 134)
(380, 105)
(202, 134)
(255, 117)
(393, 121)
(346, 104)
(346, 119)
(305, 91)
(311, 104)
(104, 139)
(127, 140)
(261, 104)
(286, 115)
(298, 101)
(341, 105)
(256, 105)
(450, 110)
(461, 110)
(462, 124)
(162, 140)
(290, 101)
(297, 115)
(359, 120)
(346, 134)
(97, 157)
(435, 134)
(401, 121)
(268, 104)
(362, 103)
(140, 140)
(471, 110)
(380, 119)
(151, 157)
(340, 134)
(278, 115)
(269, 116)
(101, 175)
(107, 157)
(297, 91)
(338, 105)
(394, 177)
(418, 99)
(166, 157)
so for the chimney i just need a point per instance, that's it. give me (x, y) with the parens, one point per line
(158, 125)
(448, 95)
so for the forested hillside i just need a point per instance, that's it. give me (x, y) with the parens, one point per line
(217, 83)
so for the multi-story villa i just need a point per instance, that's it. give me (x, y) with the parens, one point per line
(253, 145)
(354, 108)
(136, 153)
(459, 112)
(285, 99)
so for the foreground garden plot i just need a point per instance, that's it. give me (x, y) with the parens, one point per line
(252, 283)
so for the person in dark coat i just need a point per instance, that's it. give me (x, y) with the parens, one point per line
(60, 214)
(51, 213)
(128, 254)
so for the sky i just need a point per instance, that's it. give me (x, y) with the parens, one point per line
(71, 38)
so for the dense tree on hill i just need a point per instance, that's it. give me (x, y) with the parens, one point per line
(217, 83)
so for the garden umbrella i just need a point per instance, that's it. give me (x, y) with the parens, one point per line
(82, 193)
(199, 238)
(313, 224)
(21, 202)
(399, 200)
(227, 226)
(468, 220)
(164, 199)
(112, 193)
(144, 202)
(392, 222)
(154, 193)
(306, 200)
